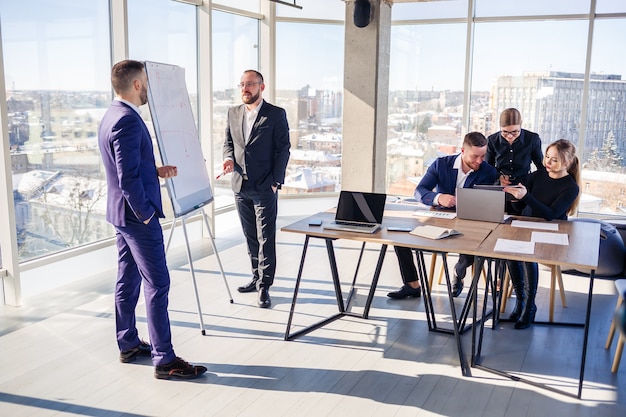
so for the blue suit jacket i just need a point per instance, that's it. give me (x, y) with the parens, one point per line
(128, 156)
(264, 158)
(440, 178)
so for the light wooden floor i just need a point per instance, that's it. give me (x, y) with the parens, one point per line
(59, 356)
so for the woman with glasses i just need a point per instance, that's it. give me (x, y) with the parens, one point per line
(512, 149)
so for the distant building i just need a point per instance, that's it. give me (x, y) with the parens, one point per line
(308, 180)
(551, 105)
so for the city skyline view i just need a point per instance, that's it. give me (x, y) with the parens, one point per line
(436, 94)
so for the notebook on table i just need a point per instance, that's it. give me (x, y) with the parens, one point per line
(358, 212)
(480, 204)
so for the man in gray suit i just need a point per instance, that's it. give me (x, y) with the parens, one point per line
(256, 151)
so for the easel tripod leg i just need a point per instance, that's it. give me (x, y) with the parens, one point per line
(217, 256)
(193, 278)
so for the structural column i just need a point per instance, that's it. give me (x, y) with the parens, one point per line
(366, 94)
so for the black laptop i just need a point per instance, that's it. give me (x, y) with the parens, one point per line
(358, 212)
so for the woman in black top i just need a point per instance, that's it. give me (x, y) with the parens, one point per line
(552, 193)
(512, 150)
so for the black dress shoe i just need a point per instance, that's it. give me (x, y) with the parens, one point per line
(457, 288)
(142, 349)
(264, 298)
(178, 369)
(249, 287)
(406, 292)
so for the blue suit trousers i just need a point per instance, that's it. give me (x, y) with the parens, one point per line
(141, 258)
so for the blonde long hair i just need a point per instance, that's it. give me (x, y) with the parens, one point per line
(567, 155)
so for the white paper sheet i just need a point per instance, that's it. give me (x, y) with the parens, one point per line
(535, 225)
(553, 238)
(514, 246)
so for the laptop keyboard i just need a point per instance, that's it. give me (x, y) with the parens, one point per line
(361, 225)
(436, 214)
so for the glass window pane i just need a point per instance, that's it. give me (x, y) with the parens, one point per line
(309, 78)
(544, 85)
(429, 10)
(604, 158)
(235, 43)
(610, 6)
(427, 72)
(313, 9)
(530, 7)
(164, 31)
(56, 56)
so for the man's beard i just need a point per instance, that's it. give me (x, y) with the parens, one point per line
(250, 100)
(144, 95)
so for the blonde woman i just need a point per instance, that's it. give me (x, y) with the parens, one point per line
(552, 193)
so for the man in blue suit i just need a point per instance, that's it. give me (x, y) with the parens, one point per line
(256, 151)
(438, 188)
(134, 208)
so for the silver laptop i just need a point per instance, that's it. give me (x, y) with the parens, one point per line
(358, 212)
(480, 204)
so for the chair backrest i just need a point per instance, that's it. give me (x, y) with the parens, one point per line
(612, 257)
(621, 229)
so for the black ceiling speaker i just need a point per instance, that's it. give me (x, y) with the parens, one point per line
(362, 13)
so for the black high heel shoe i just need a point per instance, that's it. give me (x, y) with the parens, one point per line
(527, 318)
(517, 311)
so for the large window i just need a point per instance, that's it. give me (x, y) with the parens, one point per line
(164, 31)
(235, 44)
(604, 179)
(425, 100)
(56, 56)
(309, 78)
(522, 55)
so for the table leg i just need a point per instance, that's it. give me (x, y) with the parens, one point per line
(333, 267)
(379, 266)
(465, 369)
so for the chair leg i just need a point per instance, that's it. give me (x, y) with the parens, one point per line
(555, 275)
(609, 338)
(431, 274)
(507, 290)
(440, 275)
(618, 353)
(559, 278)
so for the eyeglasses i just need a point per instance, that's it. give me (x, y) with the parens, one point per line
(511, 133)
(248, 84)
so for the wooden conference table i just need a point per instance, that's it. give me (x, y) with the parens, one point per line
(580, 253)
(478, 239)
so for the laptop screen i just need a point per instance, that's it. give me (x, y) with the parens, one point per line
(361, 207)
(480, 204)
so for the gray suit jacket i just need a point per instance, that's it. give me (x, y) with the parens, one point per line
(264, 158)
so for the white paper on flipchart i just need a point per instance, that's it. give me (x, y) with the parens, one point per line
(553, 238)
(514, 246)
(535, 225)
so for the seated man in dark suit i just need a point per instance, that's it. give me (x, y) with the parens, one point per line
(438, 188)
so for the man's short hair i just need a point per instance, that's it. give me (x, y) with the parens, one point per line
(257, 73)
(475, 139)
(124, 73)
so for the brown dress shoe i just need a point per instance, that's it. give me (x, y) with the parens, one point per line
(178, 369)
(142, 349)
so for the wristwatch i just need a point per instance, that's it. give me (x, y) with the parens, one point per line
(277, 185)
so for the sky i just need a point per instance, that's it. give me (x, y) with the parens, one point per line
(63, 45)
